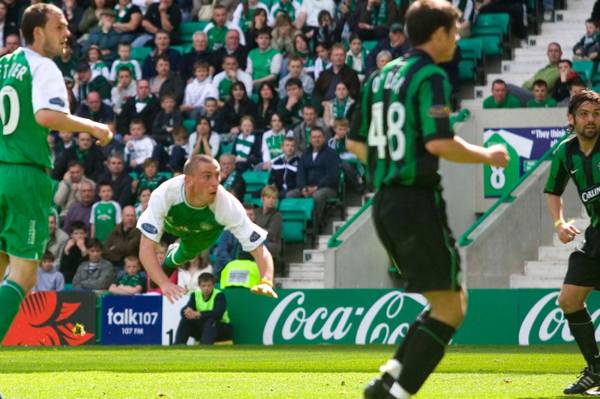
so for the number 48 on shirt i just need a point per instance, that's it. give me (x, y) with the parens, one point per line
(393, 139)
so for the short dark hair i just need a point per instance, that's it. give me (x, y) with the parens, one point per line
(317, 129)
(49, 256)
(150, 161)
(104, 183)
(74, 163)
(78, 225)
(540, 82)
(293, 82)
(567, 61)
(498, 82)
(95, 243)
(263, 31)
(424, 17)
(576, 81)
(36, 16)
(137, 121)
(585, 96)
(206, 277)
(200, 64)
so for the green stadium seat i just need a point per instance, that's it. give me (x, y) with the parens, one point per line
(187, 30)
(491, 45)
(297, 215)
(466, 70)
(471, 49)
(255, 181)
(226, 148)
(182, 48)
(492, 24)
(189, 125)
(140, 53)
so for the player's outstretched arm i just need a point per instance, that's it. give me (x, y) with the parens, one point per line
(566, 231)
(458, 150)
(155, 272)
(56, 120)
(264, 260)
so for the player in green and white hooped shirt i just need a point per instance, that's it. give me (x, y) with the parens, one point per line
(578, 158)
(33, 99)
(196, 208)
(405, 128)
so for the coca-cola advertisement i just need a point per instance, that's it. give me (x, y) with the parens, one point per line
(53, 319)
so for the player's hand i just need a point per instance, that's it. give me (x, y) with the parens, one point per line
(103, 134)
(567, 232)
(498, 156)
(172, 291)
(264, 288)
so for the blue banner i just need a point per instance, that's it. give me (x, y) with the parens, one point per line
(132, 320)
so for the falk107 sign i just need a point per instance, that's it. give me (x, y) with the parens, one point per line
(525, 146)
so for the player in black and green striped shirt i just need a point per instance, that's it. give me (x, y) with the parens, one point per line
(401, 130)
(578, 157)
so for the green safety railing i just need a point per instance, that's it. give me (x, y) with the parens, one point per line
(334, 240)
(464, 239)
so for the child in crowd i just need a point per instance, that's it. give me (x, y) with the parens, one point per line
(106, 213)
(356, 57)
(166, 121)
(125, 61)
(541, 99)
(246, 146)
(272, 142)
(204, 140)
(132, 281)
(96, 273)
(143, 200)
(65, 142)
(98, 67)
(197, 91)
(338, 107)
(75, 251)
(138, 146)
(322, 62)
(588, 46)
(180, 150)
(353, 169)
(48, 279)
(150, 177)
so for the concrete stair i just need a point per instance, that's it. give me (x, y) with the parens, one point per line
(549, 270)
(311, 273)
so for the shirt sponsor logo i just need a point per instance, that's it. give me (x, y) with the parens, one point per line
(148, 228)
(590, 194)
(439, 111)
(57, 101)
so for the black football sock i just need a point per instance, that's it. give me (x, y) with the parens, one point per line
(582, 329)
(424, 352)
(411, 331)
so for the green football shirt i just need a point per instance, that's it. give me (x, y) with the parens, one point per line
(105, 216)
(403, 107)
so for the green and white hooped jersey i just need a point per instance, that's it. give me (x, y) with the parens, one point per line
(168, 211)
(29, 82)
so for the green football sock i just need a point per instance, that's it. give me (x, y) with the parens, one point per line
(11, 296)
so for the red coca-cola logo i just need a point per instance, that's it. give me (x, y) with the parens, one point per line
(46, 320)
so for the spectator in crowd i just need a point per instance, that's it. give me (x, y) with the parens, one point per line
(162, 16)
(204, 140)
(467, 18)
(143, 200)
(82, 209)
(205, 316)
(202, 10)
(68, 188)
(91, 16)
(308, 18)
(272, 142)
(166, 80)
(228, 248)
(318, 172)
(96, 273)
(131, 282)
(269, 218)
(353, 169)
(341, 106)
(561, 88)
(339, 72)
(243, 15)
(75, 251)
(500, 97)
(541, 99)
(93, 108)
(356, 57)
(576, 85)
(64, 142)
(374, 17)
(143, 106)
(161, 50)
(289, 8)
(84, 83)
(258, 24)
(67, 62)
(106, 213)
(120, 181)
(302, 50)
(211, 106)
(97, 64)
(322, 61)
(123, 90)
(246, 146)
(329, 31)
(550, 74)
(296, 70)
(198, 53)
(180, 150)
(267, 106)
(197, 91)
(7, 27)
(396, 43)
(149, 178)
(302, 132)
(229, 116)
(48, 278)
(217, 29)
(284, 168)
(283, 31)
(57, 239)
(166, 121)
(138, 146)
(223, 81)
(231, 179)
(125, 61)
(291, 106)
(12, 41)
(129, 21)
(264, 62)
(188, 273)
(588, 46)
(124, 240)
(73, 13)
(105, 36)
(87, 153)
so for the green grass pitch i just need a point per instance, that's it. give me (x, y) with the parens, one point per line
(240, 372)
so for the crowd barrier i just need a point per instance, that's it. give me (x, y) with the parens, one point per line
(325, 316)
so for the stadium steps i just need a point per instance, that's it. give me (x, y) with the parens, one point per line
(549, 270)
(567, 29)
(311, 273)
